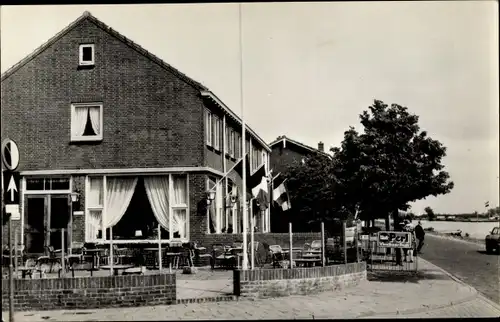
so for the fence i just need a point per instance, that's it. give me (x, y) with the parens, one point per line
(389, 251)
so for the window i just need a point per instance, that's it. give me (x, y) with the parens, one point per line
(87, 55)
(232, 149)
(216, 208)
(237, 145)
(95, 204)
(216, 132)
(135, 206)
(208, 127)
(48, 184)
(86, 122)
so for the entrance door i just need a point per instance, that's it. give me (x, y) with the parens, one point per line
(35, 216)
(59, 218)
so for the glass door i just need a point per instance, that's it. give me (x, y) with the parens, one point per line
(35, 224)
(59, 218)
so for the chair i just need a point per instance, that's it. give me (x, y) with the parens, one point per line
(77, 254)
(316, 245)
(31, 267)
(218, 254)
(55, 256)
(276, 254)
(200, 252)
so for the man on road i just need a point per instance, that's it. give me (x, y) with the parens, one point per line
(419, 234)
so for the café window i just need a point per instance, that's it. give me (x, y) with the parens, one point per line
(48, 184)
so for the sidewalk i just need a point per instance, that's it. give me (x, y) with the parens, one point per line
(430, 294)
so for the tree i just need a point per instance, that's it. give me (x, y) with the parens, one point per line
(391, 164)
(311, 188)
(430, 213)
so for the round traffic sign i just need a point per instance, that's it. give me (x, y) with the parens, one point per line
(10, 154)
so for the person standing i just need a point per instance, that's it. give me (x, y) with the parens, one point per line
(419, 234)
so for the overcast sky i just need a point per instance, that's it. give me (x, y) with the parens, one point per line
(310, 69)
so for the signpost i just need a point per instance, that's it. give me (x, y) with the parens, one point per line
(10, 159)
(394, 239)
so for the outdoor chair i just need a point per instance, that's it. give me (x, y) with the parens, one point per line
(54, 257)
(76, 255)
(276, 254)
(200, 253)
(316, 245)
(218, 255)
(30, 268)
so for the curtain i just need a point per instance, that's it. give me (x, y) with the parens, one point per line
(212, 209)
(179, 200)
(219, 205)
(95, 115)
(157, 191)
(119, 193)
(93, 224)
(78, 121)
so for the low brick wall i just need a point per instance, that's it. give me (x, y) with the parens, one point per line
(297, 281)
(90, 292)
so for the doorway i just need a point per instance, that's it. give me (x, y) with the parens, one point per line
(45, 217)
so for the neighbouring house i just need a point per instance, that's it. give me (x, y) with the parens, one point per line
(284, 152)
(113, 140)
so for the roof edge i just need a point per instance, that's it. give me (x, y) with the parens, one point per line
(283, 137)
(219, 102)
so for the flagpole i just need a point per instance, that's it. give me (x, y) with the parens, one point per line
(243, 146)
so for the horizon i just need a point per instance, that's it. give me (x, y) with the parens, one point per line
(327, 69)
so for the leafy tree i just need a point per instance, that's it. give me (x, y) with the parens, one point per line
(430, 213)
(311, 188)
(391, 164)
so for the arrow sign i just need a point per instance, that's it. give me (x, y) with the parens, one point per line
(12, 188)
(11, 181)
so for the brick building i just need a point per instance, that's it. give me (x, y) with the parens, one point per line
(111, 136)
(284, 151)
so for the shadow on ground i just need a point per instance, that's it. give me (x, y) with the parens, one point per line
(405, 277)
(486, 253)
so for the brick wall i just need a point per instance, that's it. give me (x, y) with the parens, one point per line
(151, 118)
(266, 283)
(78, 224)
(90, 292)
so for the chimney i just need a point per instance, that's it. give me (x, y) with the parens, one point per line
(321, 146)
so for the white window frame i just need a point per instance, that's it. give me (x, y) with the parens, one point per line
(89, 208)
(216, 132)
(103, 239)
(208, 127)
(85, 62)
(83, 138)
(46, 192)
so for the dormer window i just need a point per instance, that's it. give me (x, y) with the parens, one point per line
(87, 55)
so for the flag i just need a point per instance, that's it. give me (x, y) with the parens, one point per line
(259, 186)
(281, 197)
(487, 204)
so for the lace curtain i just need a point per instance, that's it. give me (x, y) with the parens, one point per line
(78, 121)
(180, 203)
(119, 193)
(95, 115)
(157, 190)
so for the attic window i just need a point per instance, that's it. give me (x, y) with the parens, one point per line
(87, 55)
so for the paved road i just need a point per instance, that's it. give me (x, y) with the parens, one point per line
(467, 261)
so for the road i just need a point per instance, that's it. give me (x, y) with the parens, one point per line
(466, 261)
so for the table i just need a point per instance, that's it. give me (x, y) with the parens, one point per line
(29, 271)
(117, 268)
(95, 256)
(307, 261)
(173, 257)
(155, 251)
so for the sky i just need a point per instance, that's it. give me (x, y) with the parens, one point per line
(310, 69)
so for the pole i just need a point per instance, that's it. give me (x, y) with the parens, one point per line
(11, 277)
(111, 250)
(323, 244)
(62, 252)
(252, 225)
(243, 135)
(345, 241)
(290, 253)
(15, 252)
(159, 247)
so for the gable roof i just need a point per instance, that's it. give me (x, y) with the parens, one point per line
(283, 138)
(86, 16)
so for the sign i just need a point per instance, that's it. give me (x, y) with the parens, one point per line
(13, 210)
(10, 154)
(10, 188)
(394, 239)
